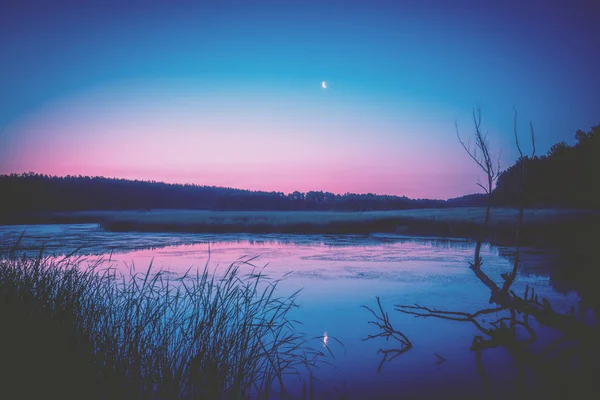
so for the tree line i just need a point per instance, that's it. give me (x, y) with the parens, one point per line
(567, 176)
(31, 192)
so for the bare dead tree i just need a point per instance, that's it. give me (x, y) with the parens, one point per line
(490, 165)
(509, 278)
(504, 297)
(511, 310)
(515, 310)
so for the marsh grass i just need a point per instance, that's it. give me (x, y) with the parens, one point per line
(541, 226)
(85, 331)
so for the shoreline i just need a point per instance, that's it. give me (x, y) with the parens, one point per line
(542, 227)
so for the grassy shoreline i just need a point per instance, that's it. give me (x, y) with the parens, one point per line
(541, 226)
(82, 332)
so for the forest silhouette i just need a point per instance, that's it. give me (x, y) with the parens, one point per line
(564, 178)
(567, 176)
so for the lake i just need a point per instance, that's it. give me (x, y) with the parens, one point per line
(340, 274)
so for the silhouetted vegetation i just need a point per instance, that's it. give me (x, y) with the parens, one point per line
(543, 226)
(567, 176)
(481, 154)
(564, 177)
(72, 331)
(566, 365)
(32, 192)
(468, 200)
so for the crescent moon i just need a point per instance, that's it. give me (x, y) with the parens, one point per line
(324, 85)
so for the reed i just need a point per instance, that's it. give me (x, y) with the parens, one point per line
(77, 330)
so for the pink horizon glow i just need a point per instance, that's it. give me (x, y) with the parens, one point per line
(361, 182)
(241, 142)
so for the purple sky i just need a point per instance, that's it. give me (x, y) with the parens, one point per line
(230, 94)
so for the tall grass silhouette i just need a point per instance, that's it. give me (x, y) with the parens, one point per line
(87, 331)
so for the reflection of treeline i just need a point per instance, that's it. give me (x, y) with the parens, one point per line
(566, 177)
(36, 192)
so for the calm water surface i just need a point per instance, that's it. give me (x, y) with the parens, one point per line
(337, 275)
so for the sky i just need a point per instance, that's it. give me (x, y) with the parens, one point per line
(228, 93)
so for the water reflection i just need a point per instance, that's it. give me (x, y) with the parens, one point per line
(338, 275)
(90, 239)
(552, 350)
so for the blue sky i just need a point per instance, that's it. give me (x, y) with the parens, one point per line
(81, 83)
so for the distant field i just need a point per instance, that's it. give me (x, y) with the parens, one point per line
(541, 225)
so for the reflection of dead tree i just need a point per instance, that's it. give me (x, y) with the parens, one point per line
(506, 330)
(480, 153)
(382, 321)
